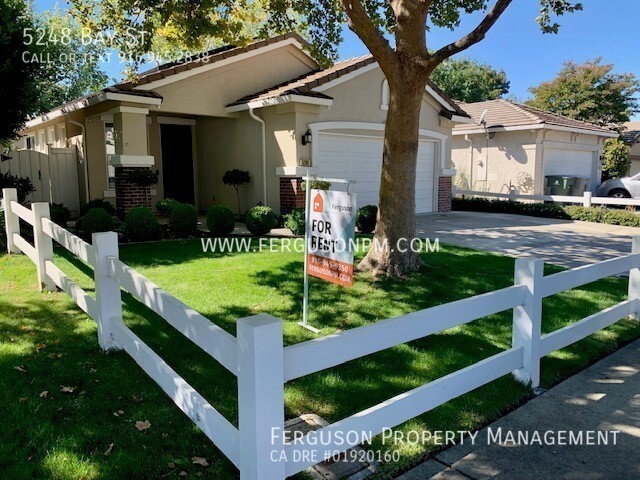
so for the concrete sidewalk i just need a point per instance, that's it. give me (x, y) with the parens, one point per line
(605, 397)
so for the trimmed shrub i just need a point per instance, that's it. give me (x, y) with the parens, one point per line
(366, 218)
(165, 206)
(260, 220)
(59, 214)
(294, 221)
(98, 203)
(549, 210)
(183, 220)
(23, 185)
(96, 220)
(141, 224)
(220, 220)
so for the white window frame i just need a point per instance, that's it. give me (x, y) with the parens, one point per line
(51, 135)
(62, 135)
(41, 142)
(30, 142)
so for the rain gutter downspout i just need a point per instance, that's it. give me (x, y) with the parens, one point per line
(264, 154)
(84, 155)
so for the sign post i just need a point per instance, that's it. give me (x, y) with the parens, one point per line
(329, 238)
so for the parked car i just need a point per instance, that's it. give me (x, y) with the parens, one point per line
(626, 187)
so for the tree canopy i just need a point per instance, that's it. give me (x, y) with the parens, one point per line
(469, 81)
(43, 63)
(591, 92)
(18, 93)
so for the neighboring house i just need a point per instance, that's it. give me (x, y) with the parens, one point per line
(517, 146)
(631, 137)
(267, 108)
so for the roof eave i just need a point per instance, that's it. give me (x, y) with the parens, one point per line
(269, 102)
(534, 126)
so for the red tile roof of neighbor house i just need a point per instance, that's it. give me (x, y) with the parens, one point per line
(504, 113)
(305, 84)
(206, 58)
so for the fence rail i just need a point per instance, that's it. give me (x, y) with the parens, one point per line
(586, 200)
(263, 365)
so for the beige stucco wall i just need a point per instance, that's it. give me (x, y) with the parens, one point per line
(208, 93)
(511, 158)
(634, 157)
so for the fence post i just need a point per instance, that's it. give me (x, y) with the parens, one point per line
(43, 244)
(261, 397)
(527, 319)
(108, 296)
(587, 200)
(11, 220)
(634, 276)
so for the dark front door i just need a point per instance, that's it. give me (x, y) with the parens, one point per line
(177, 162)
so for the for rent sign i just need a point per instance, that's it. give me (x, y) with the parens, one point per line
(331, 236)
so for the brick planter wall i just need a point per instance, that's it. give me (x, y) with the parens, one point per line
(291, 194)
(444, 194)
(128, 194)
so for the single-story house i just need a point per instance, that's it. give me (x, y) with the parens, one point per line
(631, 136)
(267, 108)
(514, 146)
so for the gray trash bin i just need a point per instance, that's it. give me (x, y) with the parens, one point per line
(580, 186)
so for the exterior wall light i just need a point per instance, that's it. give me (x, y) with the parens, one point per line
(306, 137)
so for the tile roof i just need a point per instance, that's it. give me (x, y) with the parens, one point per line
(304, 84)
(504, 113)
(631, 133)
(206, 58)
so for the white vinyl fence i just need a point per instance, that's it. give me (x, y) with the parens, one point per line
(54, 176)
(586, 200)
(261, 363)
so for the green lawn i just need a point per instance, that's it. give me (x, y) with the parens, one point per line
(65, 435)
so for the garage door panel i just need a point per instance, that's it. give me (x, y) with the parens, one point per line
(360, 159)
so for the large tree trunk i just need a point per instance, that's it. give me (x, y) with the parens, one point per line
(396, 223)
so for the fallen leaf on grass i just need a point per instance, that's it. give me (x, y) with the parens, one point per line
(171, 465)
(64, 389)
(200, 461)
(23, 399)
(44, 394)
(109, 450)
(118, 413)
(40, 346)
(183, 473)
(20, 368)
(55, 356)
(142, 426)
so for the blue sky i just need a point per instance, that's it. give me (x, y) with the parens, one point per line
(515, 44)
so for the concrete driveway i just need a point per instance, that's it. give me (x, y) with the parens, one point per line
(561, 242)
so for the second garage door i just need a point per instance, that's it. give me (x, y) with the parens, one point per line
(359, 158)
(572, 163)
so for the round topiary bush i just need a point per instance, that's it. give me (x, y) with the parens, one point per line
(183, 220)
(260, 220)
(141, 224)
(220, 220)
(98, 203)
(96, 220)
(165, 206)
(294, 221)
(366, 218)
(60, 214)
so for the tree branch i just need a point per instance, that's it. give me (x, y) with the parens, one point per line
(472, 38)
(362, 25)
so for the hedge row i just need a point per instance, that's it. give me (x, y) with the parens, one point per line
(549, 210)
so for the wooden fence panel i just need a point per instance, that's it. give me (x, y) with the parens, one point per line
(61, 162)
